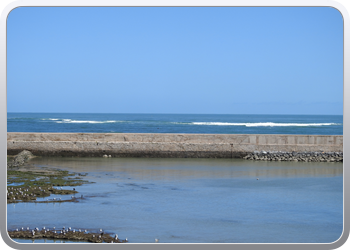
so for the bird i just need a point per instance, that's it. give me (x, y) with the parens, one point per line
(257, 179)
(116, 236)
(156, 240)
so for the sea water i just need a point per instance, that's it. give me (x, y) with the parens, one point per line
(195, 200)
(175, 123)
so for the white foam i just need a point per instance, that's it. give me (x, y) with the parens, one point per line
(77, 121)
(51, 119)
(264, 124)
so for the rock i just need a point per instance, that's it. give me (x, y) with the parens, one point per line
(296, 156)
(20, 159)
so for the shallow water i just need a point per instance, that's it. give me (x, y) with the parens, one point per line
(196, 200)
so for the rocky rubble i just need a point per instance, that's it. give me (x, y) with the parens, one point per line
(295, 156)
(19, 160)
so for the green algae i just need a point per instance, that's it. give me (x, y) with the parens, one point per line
(29, 182)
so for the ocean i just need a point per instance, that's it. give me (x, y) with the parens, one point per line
(175, 123)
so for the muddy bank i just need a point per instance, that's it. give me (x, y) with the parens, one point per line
(64, 234)
(27, 182)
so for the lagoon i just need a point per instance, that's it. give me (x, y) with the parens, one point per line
(196, 200)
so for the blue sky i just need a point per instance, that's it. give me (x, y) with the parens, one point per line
(243, 60)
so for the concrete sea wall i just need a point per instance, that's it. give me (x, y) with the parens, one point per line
(167, 145)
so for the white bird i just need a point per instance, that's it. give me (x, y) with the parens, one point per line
(156, 240)
(116, 236)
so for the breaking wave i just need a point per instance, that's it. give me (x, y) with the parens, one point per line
(77, 121)
(264, 124)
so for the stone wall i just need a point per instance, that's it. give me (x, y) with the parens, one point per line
(167, 145)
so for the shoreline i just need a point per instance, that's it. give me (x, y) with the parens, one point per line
(63, 234)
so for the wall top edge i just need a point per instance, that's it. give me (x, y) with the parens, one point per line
(163, 134)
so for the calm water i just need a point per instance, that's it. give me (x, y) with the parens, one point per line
(175, 123)
(196, 200)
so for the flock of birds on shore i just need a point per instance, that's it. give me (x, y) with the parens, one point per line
(66, 234)
(63, 233)
(30, 194)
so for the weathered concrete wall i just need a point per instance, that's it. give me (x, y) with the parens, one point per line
(167, 145)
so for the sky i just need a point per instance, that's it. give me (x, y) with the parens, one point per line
(184, 60)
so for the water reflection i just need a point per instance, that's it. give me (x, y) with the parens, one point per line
(171, 169)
